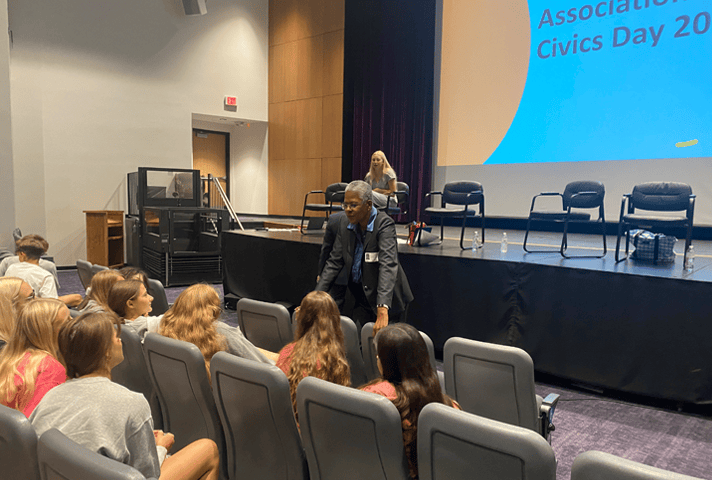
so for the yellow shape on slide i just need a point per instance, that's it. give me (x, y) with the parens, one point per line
(688, 143)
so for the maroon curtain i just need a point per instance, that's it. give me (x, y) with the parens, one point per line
(388, 91)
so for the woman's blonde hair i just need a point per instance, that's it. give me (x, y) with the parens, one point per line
(386, 166)
(36, 333)
(101, 283)
(11, 303)
(193, 318)
(319, 346)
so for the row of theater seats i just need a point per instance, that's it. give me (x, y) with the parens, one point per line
(345, 433)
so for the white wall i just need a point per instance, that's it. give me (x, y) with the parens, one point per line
(7, 191)
(100, 88)
(248, 163)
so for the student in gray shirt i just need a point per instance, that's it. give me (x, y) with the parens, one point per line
(107, 418)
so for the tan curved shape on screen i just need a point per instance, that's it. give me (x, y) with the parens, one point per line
(485, 58)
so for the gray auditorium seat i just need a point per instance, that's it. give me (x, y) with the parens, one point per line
(132, 373)
(85, 273)
(349, 434)
(18, 446)
(353, 352)
(368, 350)
(255, 408)
(97, 268)
(595, 465)
(177, 370)
(497, 382)
(160, 305)
(62, 459)
(267, 325)
(454, 445)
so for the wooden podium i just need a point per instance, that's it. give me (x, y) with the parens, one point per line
(105, 237)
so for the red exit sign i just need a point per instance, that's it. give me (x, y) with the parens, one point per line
(231, 101)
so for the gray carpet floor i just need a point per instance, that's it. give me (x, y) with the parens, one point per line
(665, 439)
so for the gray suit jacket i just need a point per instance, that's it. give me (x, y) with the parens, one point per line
(382, 278)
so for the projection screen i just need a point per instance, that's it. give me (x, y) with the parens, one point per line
(531, 95)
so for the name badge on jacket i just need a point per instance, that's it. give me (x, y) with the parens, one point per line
(371, 257)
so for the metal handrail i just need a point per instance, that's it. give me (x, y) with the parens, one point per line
(225, 200)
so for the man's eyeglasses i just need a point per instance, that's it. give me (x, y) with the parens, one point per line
(351, 206)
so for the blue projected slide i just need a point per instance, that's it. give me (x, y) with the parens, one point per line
(614, 80)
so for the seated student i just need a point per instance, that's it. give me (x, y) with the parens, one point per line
(318, 349)
(98, 297)
(194, 317)
(29, 250)
(130, 300)
(106, 417)
(46, 264)
(28, 365)
(408, 380)
(133, 273)
(14, 292)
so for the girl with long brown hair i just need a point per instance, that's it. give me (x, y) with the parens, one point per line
(408, 380)
(130, 300)
(318, 349)
(13, 294)
(29, 365)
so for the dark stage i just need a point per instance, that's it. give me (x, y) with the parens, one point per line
(630, 327)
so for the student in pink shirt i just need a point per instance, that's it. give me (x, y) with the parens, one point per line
(408, 380)
(28, 364)
(318, 349)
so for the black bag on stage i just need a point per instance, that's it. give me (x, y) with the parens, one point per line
(653, 247)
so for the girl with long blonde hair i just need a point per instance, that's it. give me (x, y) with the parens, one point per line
(382, 179)
(318, 349)
(98, 297)
(13, 294)
(195, 318)
(29, 365)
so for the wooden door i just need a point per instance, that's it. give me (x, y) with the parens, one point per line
(211, 154)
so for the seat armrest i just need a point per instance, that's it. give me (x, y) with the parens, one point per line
(313, 191)
(545, 194)
(627, 197)
(548, 406)
(433, 193)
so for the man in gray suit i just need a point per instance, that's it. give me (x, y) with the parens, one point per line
(365, 260)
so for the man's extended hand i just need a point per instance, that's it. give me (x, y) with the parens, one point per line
(381, 320)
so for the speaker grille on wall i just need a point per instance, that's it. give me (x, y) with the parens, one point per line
(195, 7)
